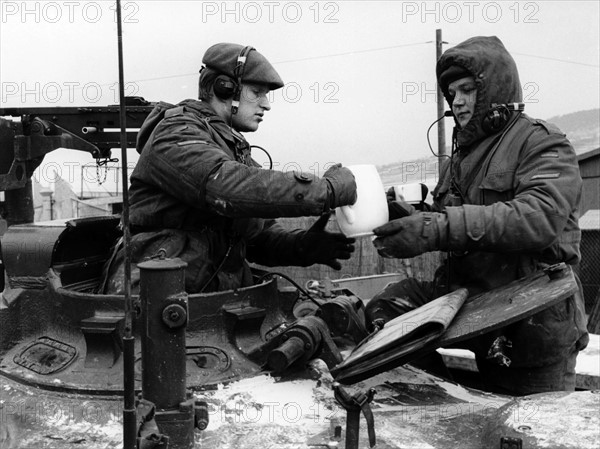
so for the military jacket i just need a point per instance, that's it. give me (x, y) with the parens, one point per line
(512, 207)
(512, 204)
(197, 193)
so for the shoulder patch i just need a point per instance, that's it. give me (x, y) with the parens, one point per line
(174, 112)
(546, 176)
(549, 154)
(192, 142)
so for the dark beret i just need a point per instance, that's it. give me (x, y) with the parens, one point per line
(452, 73)
(223, 58)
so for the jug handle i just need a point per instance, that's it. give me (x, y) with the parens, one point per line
(348, 214)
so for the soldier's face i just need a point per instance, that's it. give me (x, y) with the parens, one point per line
(253, 105)
(464, 93)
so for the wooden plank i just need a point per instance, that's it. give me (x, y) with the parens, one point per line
(366, 286)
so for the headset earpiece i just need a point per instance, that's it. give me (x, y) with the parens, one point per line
(224, 87)
(498, 116)
(495, 118)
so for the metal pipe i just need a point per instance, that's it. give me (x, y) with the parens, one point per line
(164, 316)
(164, 319)
(129, 414)
(129, 428)
(286, 354)
(441, 105)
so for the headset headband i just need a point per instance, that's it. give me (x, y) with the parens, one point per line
(238, 72)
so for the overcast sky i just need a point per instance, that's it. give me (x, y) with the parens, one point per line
(360, 75)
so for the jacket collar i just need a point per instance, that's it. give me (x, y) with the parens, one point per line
(207, 113)
(238, 144)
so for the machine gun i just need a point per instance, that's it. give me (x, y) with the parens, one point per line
(246, 330)
(25, 142)
(54, 271)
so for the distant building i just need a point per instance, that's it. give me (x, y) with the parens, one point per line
(589, 166)
(589, 222)
(63, 202)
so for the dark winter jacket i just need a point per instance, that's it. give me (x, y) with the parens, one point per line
(511, 196)
(197, 193)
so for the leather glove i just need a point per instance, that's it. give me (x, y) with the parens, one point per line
(410, 236)
(319, 246)
(341, 186)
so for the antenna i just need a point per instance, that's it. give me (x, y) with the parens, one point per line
(441, 128)
(129, 410)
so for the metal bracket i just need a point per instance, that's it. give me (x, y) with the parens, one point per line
(354, 405)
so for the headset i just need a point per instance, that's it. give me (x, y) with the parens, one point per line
(225, 87)
(496, 118)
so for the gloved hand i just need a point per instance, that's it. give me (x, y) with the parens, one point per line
(319, 246)
(341, 186)
(413, 235)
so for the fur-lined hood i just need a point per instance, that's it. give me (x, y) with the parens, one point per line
(496, 77)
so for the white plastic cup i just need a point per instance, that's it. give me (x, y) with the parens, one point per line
(370, 209)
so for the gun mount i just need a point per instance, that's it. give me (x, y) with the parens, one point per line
(60, 333)
(38, 131)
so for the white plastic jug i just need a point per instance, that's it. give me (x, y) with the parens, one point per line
(370, 209)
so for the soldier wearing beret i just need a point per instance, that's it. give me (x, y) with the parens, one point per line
(505, 207)
(197, 193)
